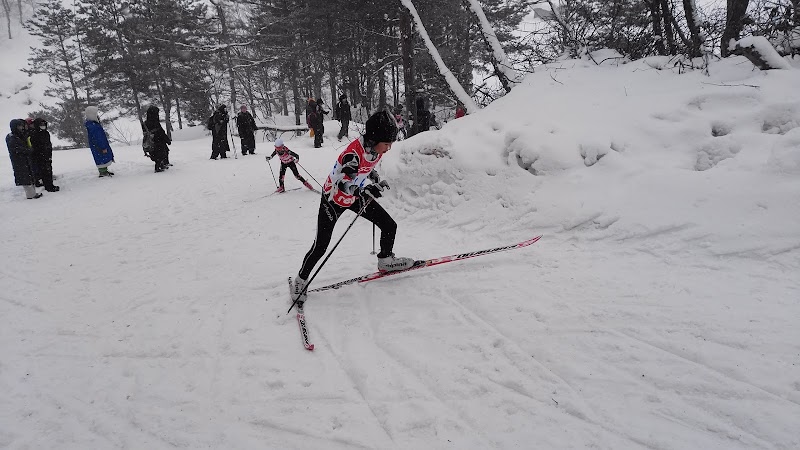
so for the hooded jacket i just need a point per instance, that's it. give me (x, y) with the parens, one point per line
(20, 154)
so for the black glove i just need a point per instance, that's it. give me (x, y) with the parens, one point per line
(372, 190)
(374, 177)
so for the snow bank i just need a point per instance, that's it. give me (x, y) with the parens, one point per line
(556, 155)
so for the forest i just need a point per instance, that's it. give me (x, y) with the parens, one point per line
(187, 56)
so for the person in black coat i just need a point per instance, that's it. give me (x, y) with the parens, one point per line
(42, 156)
(317, 122)
(218, 124)
(422, 118)
(343, 115)
(161, 141)
(20, 154)
(247, 130)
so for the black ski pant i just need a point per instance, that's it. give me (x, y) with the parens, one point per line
(319, 130)
(248, 143)
(293, 167)
(345, 129)
(219, 146)
(329, 213)
(43, 169)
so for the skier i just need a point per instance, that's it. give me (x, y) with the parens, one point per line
(345, 189)
(247, 130)
(43, 154)
(98, 142)
(288, 159)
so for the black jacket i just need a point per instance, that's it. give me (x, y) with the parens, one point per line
(342, 111)
(40, 141)
(245, 123)
(20, 155)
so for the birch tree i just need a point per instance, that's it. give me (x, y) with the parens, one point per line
(506, 73)
(455, 86)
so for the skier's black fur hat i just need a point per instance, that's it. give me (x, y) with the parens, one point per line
(380, 128)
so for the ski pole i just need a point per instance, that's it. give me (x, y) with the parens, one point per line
(233, 141)
(312, 176)
(373, 239)
(308, 283)
(273, 173)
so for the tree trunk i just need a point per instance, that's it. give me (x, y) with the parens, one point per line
(694, 29)
(331, 60)
(655, 15)
(227, 51)
(668, 33)
(407, 52)
(734, 22)
(7, 10)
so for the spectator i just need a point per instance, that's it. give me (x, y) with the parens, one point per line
(401, 126)
(422, 117)
(20, 154)
(343, 114)
(98, 142)
(161, 141)
(315, 121)
(218, 124)
(42, 156)
(247, 130)
(460, 110)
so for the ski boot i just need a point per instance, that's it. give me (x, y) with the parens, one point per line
(392, 263)
(299, 285)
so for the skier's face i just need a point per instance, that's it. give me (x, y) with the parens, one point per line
(382, 147)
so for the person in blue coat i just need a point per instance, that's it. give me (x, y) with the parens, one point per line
(98, 142)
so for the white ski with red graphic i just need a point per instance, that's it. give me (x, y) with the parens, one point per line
(301, 320)
(426, 263)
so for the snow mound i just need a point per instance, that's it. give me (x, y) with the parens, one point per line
(631, 169)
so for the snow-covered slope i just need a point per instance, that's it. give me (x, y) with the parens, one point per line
(658, 310)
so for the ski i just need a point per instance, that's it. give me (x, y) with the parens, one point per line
(301, 320)
(419, 264)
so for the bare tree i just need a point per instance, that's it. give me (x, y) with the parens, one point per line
(690, 9)
(7, 11)
(734, 22)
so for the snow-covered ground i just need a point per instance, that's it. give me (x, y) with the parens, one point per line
(659, 310)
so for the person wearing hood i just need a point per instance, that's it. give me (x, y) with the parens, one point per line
(343, 115)
(247, 127)
(347, 188)
(317, 122)
(98, 142)
(20, 154)
(160, 148)
(218, 124)
(42, 156)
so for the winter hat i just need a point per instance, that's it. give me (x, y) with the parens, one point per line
(279, 142)
(221, 107)
(14, 124)
(90, 113)
(380, 128)
(38, 122)
(343, 97)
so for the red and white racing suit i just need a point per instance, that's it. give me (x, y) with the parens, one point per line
(340, 193)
